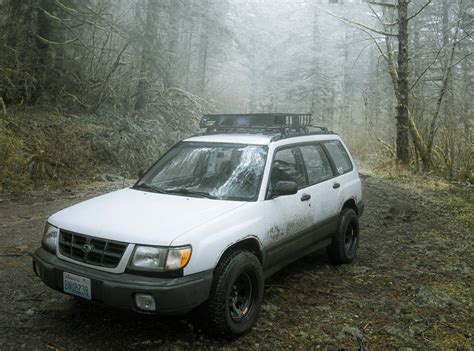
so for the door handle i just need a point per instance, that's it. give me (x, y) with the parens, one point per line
(336, 185)
(305, 197)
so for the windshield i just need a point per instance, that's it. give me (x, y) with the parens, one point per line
(213, 170)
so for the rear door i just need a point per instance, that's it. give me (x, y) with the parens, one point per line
(320, 175)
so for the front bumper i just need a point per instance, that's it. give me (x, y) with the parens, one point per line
(173, 296)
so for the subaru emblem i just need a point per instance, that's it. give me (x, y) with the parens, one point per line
(87, 248)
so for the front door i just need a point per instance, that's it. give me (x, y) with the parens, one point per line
(288, 218)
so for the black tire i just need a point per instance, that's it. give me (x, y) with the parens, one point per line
(343, 248)
(236, 270)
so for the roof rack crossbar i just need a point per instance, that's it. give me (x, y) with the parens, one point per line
(284, 124)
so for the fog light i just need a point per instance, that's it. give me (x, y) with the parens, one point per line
(145, 302)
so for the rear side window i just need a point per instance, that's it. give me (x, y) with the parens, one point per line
(339, 156)
(317, 164)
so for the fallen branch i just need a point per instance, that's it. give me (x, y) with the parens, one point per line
(77, 100)
(64, 7)
(4, 107)
(50, 15)
(50, 42)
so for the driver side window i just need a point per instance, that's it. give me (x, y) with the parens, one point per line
(288, 166)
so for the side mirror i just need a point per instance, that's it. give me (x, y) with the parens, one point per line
(284, 188)
(141, 172)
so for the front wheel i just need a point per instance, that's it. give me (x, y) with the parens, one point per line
(345, 242)
(236, 295)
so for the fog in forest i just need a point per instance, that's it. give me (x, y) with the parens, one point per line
(134, 77)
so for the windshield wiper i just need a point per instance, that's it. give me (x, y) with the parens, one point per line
(183, 191)
(190, 192)
(150, 188)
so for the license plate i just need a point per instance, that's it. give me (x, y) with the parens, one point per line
(76, 285)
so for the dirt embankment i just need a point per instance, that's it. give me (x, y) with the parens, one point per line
(411, 285)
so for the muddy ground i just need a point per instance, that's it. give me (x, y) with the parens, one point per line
(411, 285)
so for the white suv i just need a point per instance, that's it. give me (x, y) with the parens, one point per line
(209, 221)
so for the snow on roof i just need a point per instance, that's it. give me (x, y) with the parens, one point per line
(254, 139)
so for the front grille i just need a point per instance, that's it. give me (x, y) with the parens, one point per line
(91, 250)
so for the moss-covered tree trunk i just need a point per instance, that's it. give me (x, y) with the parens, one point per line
(403, 155)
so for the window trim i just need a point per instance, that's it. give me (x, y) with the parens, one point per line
(298, 145)
(335, 171)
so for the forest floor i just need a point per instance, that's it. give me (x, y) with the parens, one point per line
(410, 287)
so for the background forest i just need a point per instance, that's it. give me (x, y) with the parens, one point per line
(99, 88)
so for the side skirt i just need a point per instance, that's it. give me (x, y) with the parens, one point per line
(299, 245)
(315, 247)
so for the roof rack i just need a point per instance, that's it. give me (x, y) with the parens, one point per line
(282, 125)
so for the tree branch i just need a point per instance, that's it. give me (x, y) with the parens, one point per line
(115, 65)
(444, 86)
(461, 59)
(380, 20)
(381, 4)
(357, 24)
(376, 44)
(426, 69)
(419, 11)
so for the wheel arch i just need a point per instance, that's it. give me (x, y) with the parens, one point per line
(350, 203)
(250, 243)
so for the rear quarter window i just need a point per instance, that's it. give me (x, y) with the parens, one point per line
(338, 154)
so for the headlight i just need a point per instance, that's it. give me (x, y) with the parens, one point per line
(50, 238)
(149, 257)
(160, 258)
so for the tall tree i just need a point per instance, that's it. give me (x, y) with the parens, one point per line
(147, 57)
(203, 47)
(402, 84)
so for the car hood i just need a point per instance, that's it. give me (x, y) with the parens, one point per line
(140, 217)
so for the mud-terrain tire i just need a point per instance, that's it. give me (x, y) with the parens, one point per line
(343, 248)
(236, 295)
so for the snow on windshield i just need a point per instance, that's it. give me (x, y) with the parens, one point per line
(224, 171)
(246, 176)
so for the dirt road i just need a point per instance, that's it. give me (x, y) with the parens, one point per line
(411, 285)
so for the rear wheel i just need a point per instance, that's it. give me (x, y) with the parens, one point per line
(236, 295)
(345, 242)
